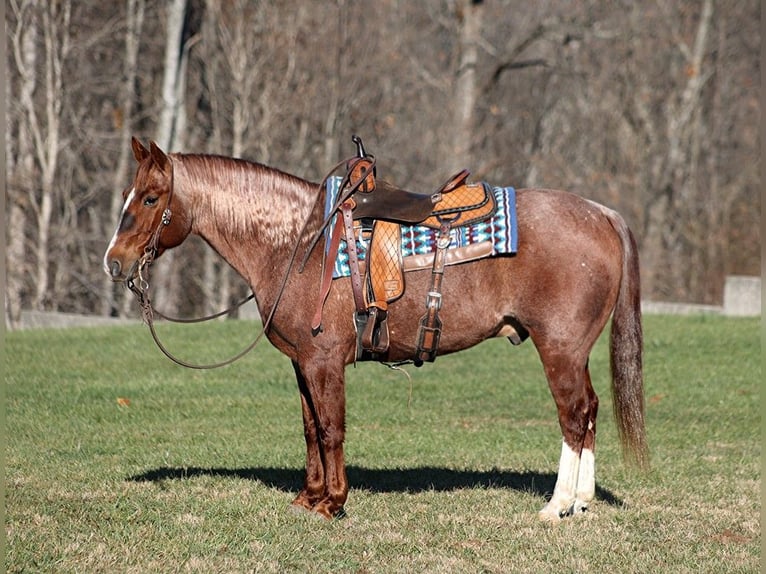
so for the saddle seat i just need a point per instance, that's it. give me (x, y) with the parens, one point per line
(455, 200)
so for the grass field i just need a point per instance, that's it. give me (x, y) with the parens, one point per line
(119, 461)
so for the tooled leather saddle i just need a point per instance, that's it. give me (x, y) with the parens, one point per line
(376, 210)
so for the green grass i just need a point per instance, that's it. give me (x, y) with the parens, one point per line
(447, 472)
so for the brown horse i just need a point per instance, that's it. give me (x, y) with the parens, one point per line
(576, 264)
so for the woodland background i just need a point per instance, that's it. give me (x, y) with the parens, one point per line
(651, 108)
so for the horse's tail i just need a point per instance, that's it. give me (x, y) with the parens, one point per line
(625, 351)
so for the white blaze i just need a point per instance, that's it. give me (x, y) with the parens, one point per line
(129, 199)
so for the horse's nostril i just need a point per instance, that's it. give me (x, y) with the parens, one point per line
(114, 269)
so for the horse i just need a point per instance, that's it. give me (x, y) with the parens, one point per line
(576, 265)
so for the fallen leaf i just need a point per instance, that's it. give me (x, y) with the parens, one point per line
(654, 399)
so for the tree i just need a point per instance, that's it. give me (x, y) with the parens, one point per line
(170, 135)
(672, 174)
(135, 20)
(22, 168)
(39, 133)
(651, 108)
(466, 90)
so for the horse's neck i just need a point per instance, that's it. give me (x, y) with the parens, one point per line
(251, 214)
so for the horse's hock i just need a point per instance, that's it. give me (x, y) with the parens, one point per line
(742, 296)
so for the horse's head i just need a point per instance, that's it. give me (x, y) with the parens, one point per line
(152, 218)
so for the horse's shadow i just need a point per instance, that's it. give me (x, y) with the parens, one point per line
(405, 480)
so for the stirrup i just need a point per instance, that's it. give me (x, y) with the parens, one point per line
(372, 337)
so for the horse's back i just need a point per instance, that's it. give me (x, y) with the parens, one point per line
(562, 230)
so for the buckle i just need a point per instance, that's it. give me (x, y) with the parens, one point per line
(434, 300)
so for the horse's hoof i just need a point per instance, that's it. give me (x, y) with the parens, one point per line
(579, 507)
(326, 511)
(554, 511)
(300, 510)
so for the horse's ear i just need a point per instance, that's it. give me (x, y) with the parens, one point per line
(159, 157)
(139, 151)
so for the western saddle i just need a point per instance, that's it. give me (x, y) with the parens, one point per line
(376, 210)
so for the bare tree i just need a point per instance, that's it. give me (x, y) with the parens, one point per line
(635, 117)
(170, 136)
(39, 133)
(55, 19)
(466, 89)
(174, 79)
(671, 171)
(21, 175)
(651, 108)
(239, 80)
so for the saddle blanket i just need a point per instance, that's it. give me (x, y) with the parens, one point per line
(500, 229)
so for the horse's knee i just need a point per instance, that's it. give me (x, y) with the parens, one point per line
(578, 424)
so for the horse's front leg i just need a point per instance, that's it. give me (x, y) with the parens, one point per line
(323, 403)
(313, 484)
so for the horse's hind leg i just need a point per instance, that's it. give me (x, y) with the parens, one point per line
(577, 405)
(586, 477)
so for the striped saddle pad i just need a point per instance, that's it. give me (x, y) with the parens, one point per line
(497, 235)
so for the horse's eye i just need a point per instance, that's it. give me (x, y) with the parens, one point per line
(150, 201)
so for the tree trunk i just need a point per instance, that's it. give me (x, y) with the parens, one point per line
(167, 270)
(56, 34)
(40, 137)
(662, 232)
(465, 90)
(21, 178)
(115, 302)
(168, 133)
(335, 89)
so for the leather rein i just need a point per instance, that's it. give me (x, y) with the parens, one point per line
(141, 288)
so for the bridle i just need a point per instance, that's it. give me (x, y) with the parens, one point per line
(141, 288)
(148, 312)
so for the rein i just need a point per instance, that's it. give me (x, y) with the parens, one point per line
(141, 289)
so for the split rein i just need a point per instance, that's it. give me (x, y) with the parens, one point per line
(141, 291)
(148, 312)
(141, 288)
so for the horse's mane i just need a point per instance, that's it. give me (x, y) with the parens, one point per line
(246, 194)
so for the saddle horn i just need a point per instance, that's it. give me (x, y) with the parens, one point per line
(359, 145)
